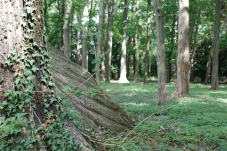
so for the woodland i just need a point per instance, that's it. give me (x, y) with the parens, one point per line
(113, 75)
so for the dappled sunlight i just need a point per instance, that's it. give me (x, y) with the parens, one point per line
(136, 104)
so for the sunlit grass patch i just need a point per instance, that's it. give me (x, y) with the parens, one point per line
(200, 117)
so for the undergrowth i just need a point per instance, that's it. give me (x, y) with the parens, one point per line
(194, 122)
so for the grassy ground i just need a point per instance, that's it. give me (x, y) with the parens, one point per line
(196, 122)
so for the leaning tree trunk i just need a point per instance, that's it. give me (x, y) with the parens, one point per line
(99, 109)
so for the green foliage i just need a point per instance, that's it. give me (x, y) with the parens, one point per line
(200, 118)
(20, 126)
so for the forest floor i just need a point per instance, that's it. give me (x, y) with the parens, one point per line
(196, 122)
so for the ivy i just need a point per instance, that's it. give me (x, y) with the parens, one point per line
(17, 116)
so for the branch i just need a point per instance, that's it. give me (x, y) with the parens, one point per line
(145, 120)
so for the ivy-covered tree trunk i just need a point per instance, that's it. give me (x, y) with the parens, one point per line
(28, 105)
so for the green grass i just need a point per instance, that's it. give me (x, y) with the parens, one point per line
(200, 117)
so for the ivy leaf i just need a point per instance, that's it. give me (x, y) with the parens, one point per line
(34, 68)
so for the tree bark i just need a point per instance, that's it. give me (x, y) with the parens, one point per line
(183, 58)
(217, 24)
(160, 53)
(146, 69)
(136, 72)
(109, 39)
(99, 42)
(123, 78)
(100, 110)
(84, 41)
(66, 40)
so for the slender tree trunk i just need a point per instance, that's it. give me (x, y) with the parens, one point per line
(79, 46)
(146, 70)
(136, 71)
(66, 40)
(84, 41)
(217, 24)
(208, 67)
(109, 39)
(160, 53)
(183, 58)
(123, 78)
(99, 42)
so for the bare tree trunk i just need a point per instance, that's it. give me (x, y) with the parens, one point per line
(99, 42)
(146, 70)
(84, 41)
(217, 24)
(160, 53)
(79, 46)
(123, 78)
(66, 40)
(99, 109)
(183, 58)
(136, 72)
(208, 67)
(109, 39)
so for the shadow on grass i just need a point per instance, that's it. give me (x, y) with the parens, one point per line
(200, 117)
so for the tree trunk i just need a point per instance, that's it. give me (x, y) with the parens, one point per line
(183, 58)
(109, 39)
(28, 78)
(160, 53)
(66, 40)
(100, 109)
(146, 70)
(99, 42)
(79, 46)
(208, 67)
(136, 71)
(123, 78)
(217, 24)
(84, 41)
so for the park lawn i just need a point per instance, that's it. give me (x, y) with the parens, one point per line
(195, 122)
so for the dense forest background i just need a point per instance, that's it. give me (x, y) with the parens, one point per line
(83, 22)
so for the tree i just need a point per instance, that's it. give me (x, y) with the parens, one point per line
(146, 70)
(123, 78)
(217, 24)
(84, 39)
(183, 62)
(136, 43)
(160, 53)
(99, 42)
(109, 39)
(27, 89)
(66, 40)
